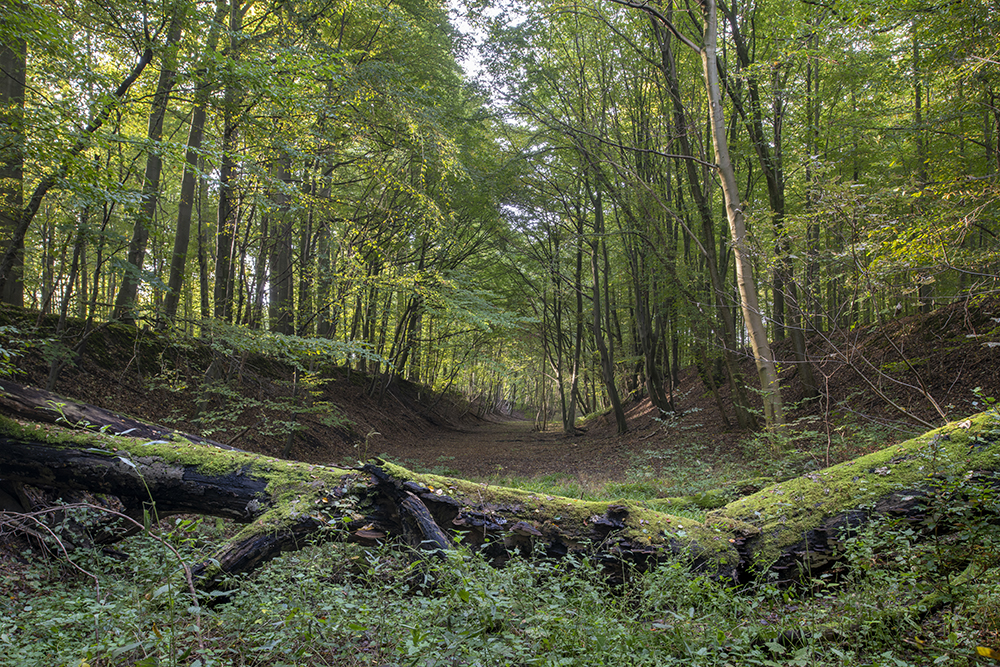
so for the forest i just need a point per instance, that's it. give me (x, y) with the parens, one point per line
(587, 332)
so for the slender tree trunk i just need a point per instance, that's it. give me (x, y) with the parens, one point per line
(204, 259)
(918, 113)
(227, 214)
(307, 274)
(84, 287)
(607, 362)
(553, 334)
(578, 336)
(185, 208)
(256, 316)
(191, 177)
(924, 288)
(763, 357)
(58, 363)
(787, 316)
(741, 402)
(125, 302)
(324, 280)
(812, 279)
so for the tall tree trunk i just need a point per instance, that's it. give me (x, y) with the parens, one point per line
(27, 214)
(125, 302)
(59, 362)
(225, 239)
(13, 58)
(204, 252)
(255, 316)
(281, 306)
(787, 315)
(578, 335)
(189, 182)
(185, 207)
(307, 273)
(812, 277)
(706, 245)
(924, 286)
(607, 361)
(763, 357)
(324, 280)
(552, 335)
(919, 138)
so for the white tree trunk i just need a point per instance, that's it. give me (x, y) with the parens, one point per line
(764, 359)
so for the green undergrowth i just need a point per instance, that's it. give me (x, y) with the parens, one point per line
(904, 593)
(345, 605)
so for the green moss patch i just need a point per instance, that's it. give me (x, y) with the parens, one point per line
(785, 512)
(641, 525)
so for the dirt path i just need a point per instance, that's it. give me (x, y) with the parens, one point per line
(508, 448)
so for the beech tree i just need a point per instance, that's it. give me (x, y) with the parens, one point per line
(749, 299)
(204, 83)
(127, 292)
(13, 53)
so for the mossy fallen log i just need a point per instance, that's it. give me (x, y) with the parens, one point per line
(790, 529)
(286, 504)
(44, 406)
(797, 528)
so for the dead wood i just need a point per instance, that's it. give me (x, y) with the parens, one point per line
(793, 528)
(44, 406)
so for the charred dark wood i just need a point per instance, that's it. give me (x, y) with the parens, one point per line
(790, 528)
(44, 406)
(175, 488)
(246, 554)
(418, 526)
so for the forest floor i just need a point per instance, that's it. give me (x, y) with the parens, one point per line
(877, 388)
(945, 355)
(512, 448)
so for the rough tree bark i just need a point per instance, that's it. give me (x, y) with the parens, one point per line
(13, 59)
(787, 529)
(125, 302)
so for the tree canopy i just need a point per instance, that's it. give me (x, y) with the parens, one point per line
(612, 191)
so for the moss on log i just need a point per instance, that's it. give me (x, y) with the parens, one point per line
(798, 526)
(788, 528)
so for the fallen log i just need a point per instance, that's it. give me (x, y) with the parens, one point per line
(285, 504)
(44, 406)
(787, 529)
